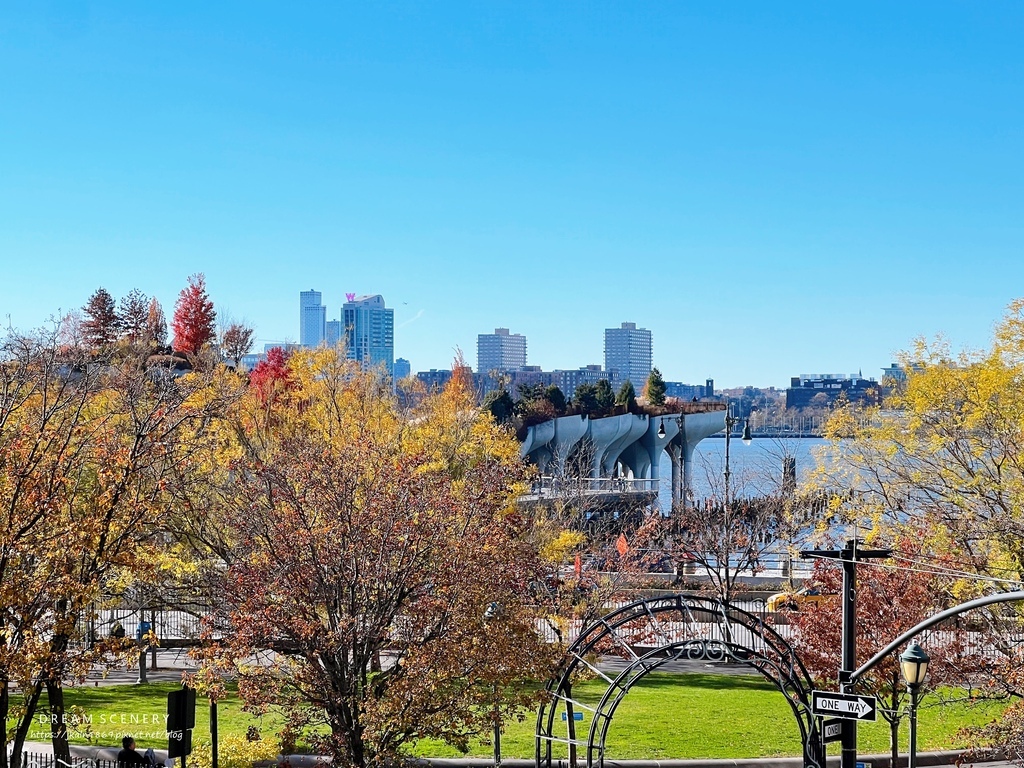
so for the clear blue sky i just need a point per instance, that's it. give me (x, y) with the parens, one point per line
(771, 188)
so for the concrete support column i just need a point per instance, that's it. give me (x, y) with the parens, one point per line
(676, 454)
(687, 493)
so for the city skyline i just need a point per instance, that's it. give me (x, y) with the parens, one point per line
(769, 190)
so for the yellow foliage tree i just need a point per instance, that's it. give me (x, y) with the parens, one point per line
(945, 454)
(368, 544)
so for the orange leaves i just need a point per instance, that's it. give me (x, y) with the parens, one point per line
(359, 534)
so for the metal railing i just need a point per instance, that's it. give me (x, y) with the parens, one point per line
(46, 760)
(547, 486)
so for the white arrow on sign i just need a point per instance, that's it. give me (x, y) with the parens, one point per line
(859, 707)
(851, 707)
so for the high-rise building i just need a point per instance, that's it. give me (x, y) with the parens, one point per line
(402, 369)
(370, 331)
(312, 319)
(500, 351)
(335, 332)
(628, 354)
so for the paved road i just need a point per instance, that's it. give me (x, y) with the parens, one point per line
(171, 663)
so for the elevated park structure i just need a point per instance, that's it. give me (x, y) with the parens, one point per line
(620, 454)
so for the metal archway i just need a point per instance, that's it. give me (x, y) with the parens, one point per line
(650, 633)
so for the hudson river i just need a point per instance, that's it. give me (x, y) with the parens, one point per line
(754, 469)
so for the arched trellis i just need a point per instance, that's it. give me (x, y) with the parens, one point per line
(652, 632)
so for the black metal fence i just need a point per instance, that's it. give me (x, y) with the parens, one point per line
(41, 760)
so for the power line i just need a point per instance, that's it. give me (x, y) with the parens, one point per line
(961, 574)
(935, 559)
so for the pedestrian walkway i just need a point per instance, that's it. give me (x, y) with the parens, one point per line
(171, 664)
(929, 759)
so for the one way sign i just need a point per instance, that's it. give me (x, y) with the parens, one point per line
(845, 705)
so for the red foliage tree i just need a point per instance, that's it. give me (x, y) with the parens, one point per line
(889, 602)
(194, 317)
(271, 376)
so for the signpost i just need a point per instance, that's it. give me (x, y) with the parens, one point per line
(831, 730)
(181, 719)
(845, 705)
(575, 716)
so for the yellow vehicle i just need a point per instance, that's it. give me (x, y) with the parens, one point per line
(792, 601)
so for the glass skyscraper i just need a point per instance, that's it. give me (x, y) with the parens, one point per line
(312, 319)
(370, 332)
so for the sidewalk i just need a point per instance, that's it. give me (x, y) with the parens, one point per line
(171, 663)
(931, 759)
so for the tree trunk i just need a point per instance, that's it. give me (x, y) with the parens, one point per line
(21, 733)
(58, 724)
(5, 705)
(894, 742)
(348, 735)
(894, 723)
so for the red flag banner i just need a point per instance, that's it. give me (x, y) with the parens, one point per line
(578, 567)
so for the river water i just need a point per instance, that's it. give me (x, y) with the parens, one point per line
(754, 469)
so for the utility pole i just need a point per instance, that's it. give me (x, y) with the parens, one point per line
(849, 555)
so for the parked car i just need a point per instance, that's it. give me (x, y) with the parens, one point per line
(792, 601)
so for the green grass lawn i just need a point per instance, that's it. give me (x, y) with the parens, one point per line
(664, 716)
(718, 716)
(118, 710)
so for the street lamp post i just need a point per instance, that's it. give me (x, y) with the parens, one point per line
(730, 422)
(492, 611)
(914, 666)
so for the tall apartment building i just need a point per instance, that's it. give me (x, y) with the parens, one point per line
(500, 351)
(370, 331)
(628, 354)
(312, 319)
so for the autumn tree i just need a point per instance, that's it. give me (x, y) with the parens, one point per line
(728, 539)
(361, 533)
(271, 377)
(945, 454)
(194, 319)
(655, 390)
(84, 452)
(236, 342)
(156, 324)
(70, 335)
(891, 599)
(100, 324)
